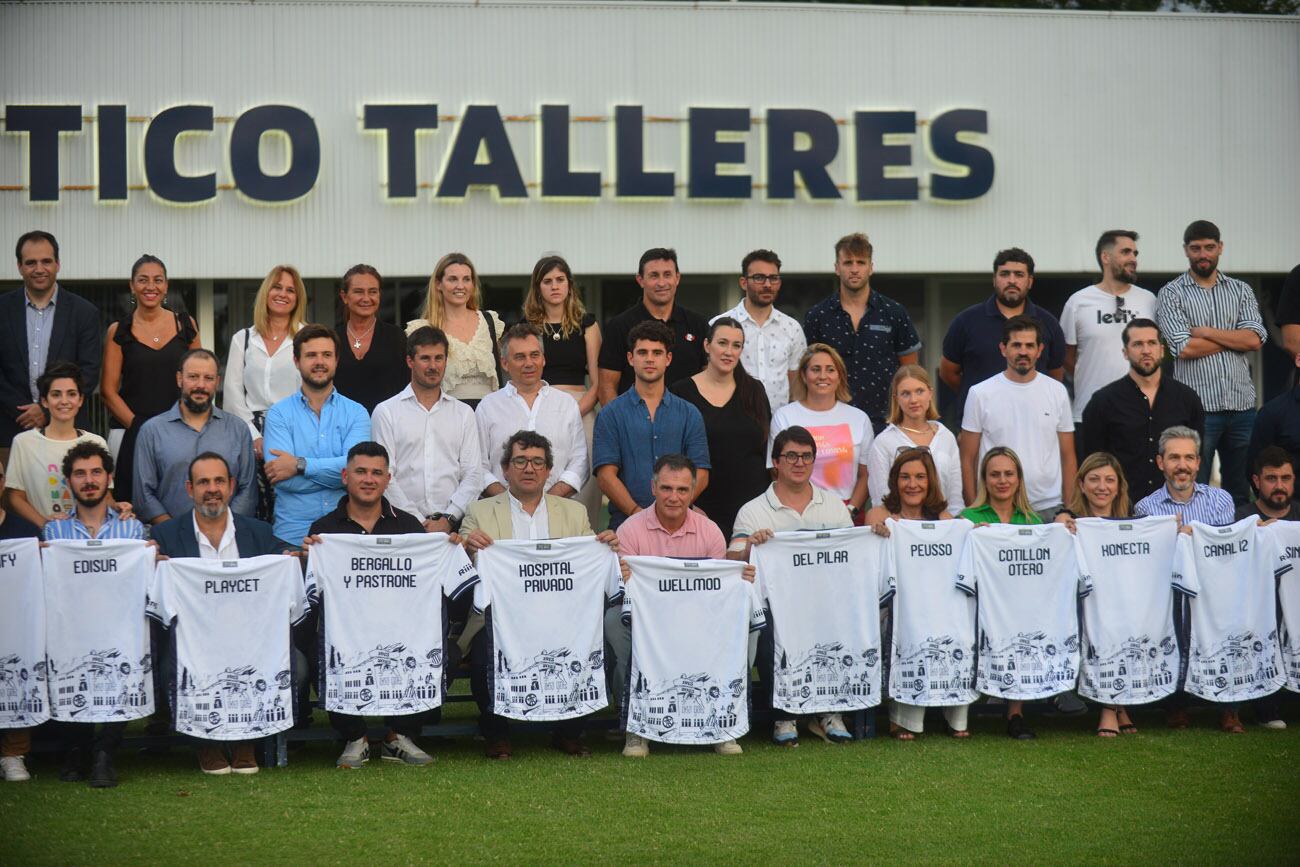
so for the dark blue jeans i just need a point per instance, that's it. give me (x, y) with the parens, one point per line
(1228, 433)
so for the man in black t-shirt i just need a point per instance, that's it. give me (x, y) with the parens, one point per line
(658, 277)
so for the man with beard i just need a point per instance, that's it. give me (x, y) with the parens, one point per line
(88, 468)
(308, 435)
(970, 348)
(774, 342)
(1095, 316)
(872, 332)
(212, 531)
(1211, 322)
(1277, 424)
(167, 444)
(1127, 417)
(1026, 412)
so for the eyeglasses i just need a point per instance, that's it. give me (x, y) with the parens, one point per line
(898, 451)
(519, 462)
(799, 457)
(761, 279)
(1119, 303)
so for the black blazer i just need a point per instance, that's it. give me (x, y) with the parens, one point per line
(175, 537)
(78, 337)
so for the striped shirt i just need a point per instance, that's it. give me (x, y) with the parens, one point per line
(112, 528)
(1208, 505)
(1222, 380)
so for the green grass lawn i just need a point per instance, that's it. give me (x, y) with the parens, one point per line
(1157, 796)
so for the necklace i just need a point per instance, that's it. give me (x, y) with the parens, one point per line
(556, 331)
(356, 339)
(910, 430)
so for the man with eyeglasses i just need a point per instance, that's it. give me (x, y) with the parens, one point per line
(774, 342)
(1094, 317)
(872, 333)
(792, 502)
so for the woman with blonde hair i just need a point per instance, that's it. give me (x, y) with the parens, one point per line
(571, 343)
(842, 431)
(913, 423)
(452, 304)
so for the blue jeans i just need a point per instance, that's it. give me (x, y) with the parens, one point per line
(1228, 433)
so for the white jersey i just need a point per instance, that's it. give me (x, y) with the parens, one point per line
(1287, 534)
(96, 638)
(823, 591)
(932, 654)
(229, 622)
(24, 697)
(1228, 572)
(383, 620)
(1130, 651)
(546, 624)
(690, 649)
(1027, 580)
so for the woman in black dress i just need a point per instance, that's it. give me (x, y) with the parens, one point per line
(372, 365)
(736, 419)
(142, 353)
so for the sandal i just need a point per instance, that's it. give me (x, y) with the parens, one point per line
(900, 734)
(1125, 728)
(958, 733)
(1108, 731)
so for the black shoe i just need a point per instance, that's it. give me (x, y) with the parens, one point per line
(74, 766)
(1017, 729)
(102, 775)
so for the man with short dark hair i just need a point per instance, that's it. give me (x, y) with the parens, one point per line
(658, 276)
(872, 332)
(1126, 417)
(363, 509)
(167, 443)
(1273, 478)
(1277, 424)
(1212, 323)
(1096, 315)
(774, 341)
(39, 325)
(308, 435)
(642, 425)
(211, 530)
(1179, 459)
(970, 348)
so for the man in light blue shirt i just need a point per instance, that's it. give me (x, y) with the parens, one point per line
(1179, 458)
(308, 435)
(168, 442)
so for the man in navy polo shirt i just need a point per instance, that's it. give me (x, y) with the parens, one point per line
(872, 332)
(971, 352)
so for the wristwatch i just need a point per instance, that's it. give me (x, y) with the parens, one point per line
(302, 466)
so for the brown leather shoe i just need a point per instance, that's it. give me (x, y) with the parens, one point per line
(571, 746)
(212, 760)
(498, 750)
(1177, 718)
(243, 758)
(1230, 723)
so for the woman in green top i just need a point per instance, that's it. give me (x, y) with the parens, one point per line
(1000, 496)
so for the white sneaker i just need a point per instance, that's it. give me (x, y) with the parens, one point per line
(1277, 725)
(14, 769)
(355, 754)
(785, 734)
(830, 728)
(403, 749)
(728, 748)
(635, 747)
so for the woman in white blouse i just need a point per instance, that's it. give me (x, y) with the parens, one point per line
(452, 304)
(913, 422)
(260, 369)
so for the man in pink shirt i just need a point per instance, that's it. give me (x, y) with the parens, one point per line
(672, 528)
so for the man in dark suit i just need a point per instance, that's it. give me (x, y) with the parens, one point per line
(211, 531)
(40, 324)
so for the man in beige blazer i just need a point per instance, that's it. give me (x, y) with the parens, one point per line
(523, 511)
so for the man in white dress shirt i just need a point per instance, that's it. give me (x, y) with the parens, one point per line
(432, 438)
(774, 342)
(528, 403)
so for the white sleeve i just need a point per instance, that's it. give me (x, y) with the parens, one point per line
(972, 418)
(886, 584)
(950, 477)
(864, 444)
(967, 581)
(232, 389)
(299, 605)
(1084, 573)
(878, 464)
(1064, 414)
(798, 345)
(471, 468)
(156, 606)
(384, 433)
(1185, 580)
(311, 586)
(757, 610)
(574, 472)
(484, 426)
(778, 424)
(614, 581)
(1068, 325)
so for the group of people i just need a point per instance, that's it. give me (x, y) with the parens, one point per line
(703, 435)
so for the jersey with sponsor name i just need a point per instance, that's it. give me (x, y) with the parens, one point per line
(1228, 573)
(823, 591)
(689, 674)
(932, 654)
(96, 637)
(384, 619)
(1287, 534)
(545, 604)
(1130, 652)
(24, 697)
(1027, 581)
(229, 622)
